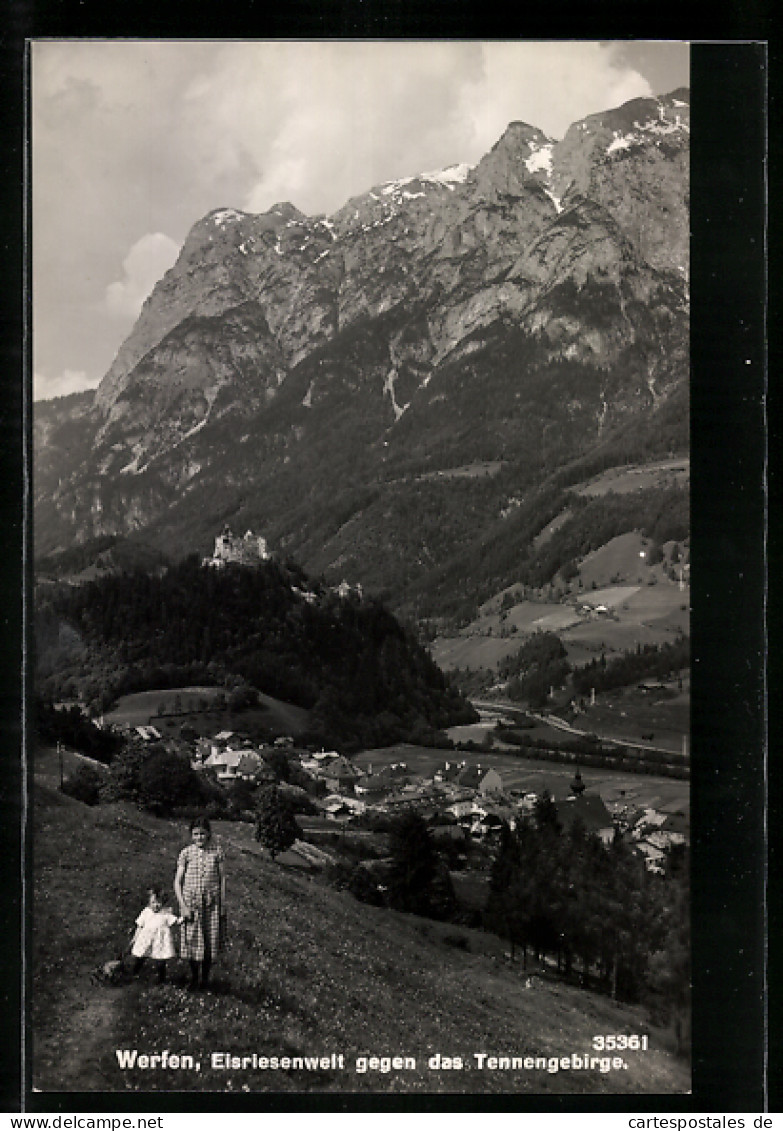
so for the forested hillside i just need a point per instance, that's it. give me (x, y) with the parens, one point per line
(364, 676)
(509, 554)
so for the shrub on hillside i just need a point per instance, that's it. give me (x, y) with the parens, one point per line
(167, 781)
(84, 784)
(276, 827)
(240, 795)
(162, 782)
(122, 781)
(355, 879)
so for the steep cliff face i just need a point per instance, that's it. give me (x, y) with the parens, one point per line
(285, 356)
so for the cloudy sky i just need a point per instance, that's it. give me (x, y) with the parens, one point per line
(133, 142)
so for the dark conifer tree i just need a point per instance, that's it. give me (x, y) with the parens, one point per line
(414, 864)
(276, 827)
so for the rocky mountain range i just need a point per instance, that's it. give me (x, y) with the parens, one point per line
(370, 389)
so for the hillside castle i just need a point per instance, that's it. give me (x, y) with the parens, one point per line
(247, 550)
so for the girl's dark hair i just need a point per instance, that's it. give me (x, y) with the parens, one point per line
(157, 891)
(201, 823)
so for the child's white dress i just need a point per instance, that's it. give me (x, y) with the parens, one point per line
(154, 937)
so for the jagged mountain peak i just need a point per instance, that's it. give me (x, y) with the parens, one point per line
(222, 216)
(521, 133)
(287, 210)
(641, 121)
(286, 360)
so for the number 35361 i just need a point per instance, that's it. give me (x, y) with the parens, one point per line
(609, 1041)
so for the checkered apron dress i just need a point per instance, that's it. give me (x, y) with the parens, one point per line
(204, 935)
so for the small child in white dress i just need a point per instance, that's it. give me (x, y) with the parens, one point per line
(154, 938)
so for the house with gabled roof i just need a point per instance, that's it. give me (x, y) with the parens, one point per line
(470, 776)
(148, 733)
(372, 785)
(339, 773)
(491, 782)
(246, 763)
(590, 809)
(448, 771)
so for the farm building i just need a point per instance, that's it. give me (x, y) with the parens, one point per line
(339, 772)
(449, 771)
(231, 764)
(485, 781)
(372, 786)
(491, 782)
(148, 733)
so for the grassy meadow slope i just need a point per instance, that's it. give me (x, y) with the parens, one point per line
(308, 971)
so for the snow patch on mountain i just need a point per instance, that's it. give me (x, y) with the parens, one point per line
(540, 159)
(619, 141)
(663, 126)
(449, 177)
(388, 390)
(555, 200)
(226, 216)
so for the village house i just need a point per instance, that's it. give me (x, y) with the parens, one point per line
(339, 774)
(590, 809)
(483, 780)
(334, 808)
(491, 783)
(372, 786)
(337, 807)
(317, 763)
(449, 771)
(653, 857)
(231, 764)
(462, 810)
(470, 777)
(148, 733)
(419, 799)
(653, 834)
(486, 825)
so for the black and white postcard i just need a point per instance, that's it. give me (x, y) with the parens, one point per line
(361, 744)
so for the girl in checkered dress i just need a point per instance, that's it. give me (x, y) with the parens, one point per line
(200, 886)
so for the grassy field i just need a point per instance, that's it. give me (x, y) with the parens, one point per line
(466, 471)
(142, 708)
(631, 714)
(667, 794)
(622, 480)
(308, 972)
(646, 608)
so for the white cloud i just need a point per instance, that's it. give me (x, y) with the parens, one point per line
(148, 136)
(325, 121)
(548, 85)
(146, 263)
(62, 385)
